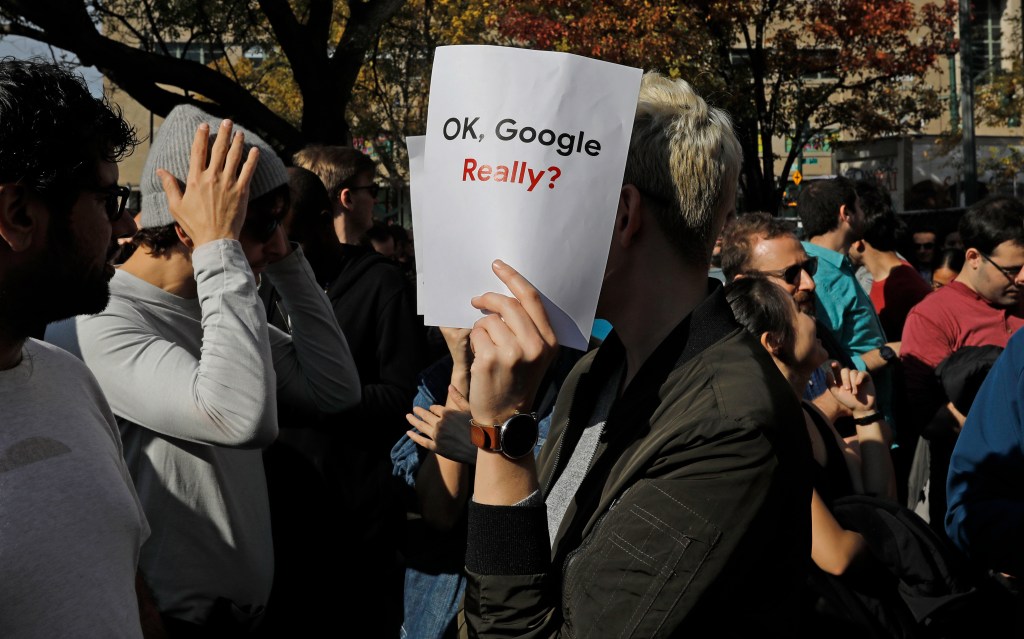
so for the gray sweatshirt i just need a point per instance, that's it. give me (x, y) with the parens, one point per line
(70, 524)
(194, 384)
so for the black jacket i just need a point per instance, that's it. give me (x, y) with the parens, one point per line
(374, 306)
(694, 518)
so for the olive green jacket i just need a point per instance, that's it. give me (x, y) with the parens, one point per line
(694, 518)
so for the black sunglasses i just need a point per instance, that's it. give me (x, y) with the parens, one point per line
(374, 189)
(791, 274)
(927, 246)
(116, 201)
(261, 230)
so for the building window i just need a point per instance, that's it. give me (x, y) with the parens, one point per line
(203, 53)
(987, 33)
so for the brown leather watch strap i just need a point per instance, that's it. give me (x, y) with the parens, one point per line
(485, 437)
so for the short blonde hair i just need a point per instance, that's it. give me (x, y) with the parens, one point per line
(336, 166)
(685, 158)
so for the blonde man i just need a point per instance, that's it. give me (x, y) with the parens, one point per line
(676, 491)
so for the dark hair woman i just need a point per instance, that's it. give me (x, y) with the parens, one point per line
(861, 465)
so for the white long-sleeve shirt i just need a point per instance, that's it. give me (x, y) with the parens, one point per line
(194, 384)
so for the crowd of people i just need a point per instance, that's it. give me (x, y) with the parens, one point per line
(243, 428)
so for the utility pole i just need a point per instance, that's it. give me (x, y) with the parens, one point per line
(954, 96)
(970, 173)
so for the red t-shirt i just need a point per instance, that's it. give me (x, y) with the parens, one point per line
(950, 318)
(894, 296)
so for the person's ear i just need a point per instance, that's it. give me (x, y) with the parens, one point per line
(857, 246)
(345, 199)
(19, 223)
(184, 239)
(972, 257)
(629, 215)
(844, 213)
(770, 342)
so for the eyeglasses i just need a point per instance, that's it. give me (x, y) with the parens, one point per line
(374, 189)
(791, 274)
(1009, 272)
(116, 201)
(927, 246)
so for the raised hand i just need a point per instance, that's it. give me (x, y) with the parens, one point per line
(216, 196)
(444, 430)
(512, 347)
(852, 388)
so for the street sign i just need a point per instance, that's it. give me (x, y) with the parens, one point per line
(797, 177)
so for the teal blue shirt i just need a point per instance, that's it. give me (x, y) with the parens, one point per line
(843, 306)
(845, 309)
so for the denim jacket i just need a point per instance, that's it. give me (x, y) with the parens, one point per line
(432, 596)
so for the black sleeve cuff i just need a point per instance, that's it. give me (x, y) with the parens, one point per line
(508, 540)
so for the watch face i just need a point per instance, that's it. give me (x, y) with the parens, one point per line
(887, 353)
(519, 436)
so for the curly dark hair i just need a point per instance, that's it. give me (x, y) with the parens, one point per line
(53, 131)
(157, 240)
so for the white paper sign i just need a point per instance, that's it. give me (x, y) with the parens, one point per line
(414, 145)
(524, 158)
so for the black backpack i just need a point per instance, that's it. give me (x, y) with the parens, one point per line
(913, 584)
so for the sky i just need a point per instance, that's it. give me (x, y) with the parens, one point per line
(22, 48)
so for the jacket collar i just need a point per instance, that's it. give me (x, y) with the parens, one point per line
(630, 416)
(708, 323)
(836, 259)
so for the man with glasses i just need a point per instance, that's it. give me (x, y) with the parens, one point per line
(981, 307)
(71, 523)
(374, 304)
(759, 244)
(348, 176)
(196, 377)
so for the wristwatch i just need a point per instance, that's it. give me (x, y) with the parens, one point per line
(868, 419)
(887, 354)
(514, 438)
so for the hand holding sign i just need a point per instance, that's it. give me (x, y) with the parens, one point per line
(512, 348)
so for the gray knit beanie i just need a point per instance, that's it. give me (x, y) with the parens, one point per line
(171, 149)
